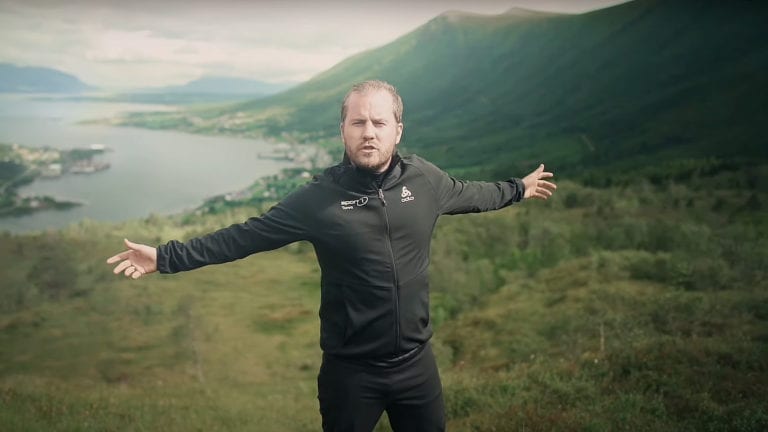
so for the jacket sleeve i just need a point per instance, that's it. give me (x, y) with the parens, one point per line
(462, 196)
(282, 224)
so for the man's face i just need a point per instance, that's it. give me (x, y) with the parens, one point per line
(370, 131)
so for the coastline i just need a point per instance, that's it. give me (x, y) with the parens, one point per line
(20, 165)
(304, 158)
(307, 157)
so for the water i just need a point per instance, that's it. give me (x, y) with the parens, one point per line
(159, 172)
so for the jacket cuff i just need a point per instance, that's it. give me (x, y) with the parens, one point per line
(162, 260)
(519, 186)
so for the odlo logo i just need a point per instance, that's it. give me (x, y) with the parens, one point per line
(349, 205)
(406, 195)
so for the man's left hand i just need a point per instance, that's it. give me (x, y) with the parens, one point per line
(535, 187)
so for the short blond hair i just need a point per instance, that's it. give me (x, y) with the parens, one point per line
(373, 85)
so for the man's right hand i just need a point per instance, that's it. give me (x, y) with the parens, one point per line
(535, 187)
(137, 261)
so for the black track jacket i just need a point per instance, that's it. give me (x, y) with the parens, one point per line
(372, 241)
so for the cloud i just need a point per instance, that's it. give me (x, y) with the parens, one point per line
(141, 43)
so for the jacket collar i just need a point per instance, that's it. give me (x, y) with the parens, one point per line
(348, 176)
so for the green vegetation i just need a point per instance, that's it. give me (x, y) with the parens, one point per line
(635, 307)
(264, 190)
(635, 299)
(625, 86)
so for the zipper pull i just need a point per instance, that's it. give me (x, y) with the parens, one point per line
(381, 196)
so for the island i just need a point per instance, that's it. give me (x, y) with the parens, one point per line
(20, 165)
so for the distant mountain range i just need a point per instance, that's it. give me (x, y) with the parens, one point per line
(25, 79)
(205, 90)
(224, 85)
(642, 82)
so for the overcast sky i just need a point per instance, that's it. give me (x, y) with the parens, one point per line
(145, 43)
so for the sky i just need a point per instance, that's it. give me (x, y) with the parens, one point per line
(150, 43)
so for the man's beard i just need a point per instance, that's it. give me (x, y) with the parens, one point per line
(375, 164)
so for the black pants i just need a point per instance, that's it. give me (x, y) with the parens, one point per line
(354, 394)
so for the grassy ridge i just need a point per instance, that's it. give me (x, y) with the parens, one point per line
(637, 307)
(217, 349)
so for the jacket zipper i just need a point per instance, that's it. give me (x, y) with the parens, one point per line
(394, 273)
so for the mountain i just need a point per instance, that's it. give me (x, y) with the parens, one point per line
(624, 307)
(204, 90)
(25, 79)
(642, 83)
(226, 85)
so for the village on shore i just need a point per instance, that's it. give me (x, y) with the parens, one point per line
(20, 165)
(307, 160)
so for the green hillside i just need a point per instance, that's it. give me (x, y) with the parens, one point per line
(645, 82)
(621, 308)
(636, 299)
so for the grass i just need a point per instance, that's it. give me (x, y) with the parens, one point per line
(583, 346)
(636, 307)
(182, 352)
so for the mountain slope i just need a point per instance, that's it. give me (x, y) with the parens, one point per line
(205, 90)
(645, 81)
(24, 79)
(225, 85)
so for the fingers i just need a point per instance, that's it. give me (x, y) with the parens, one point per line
(124, 254)
(130, 269)
(542, 194)
(138, 272)
(122, 266)
(539, 173)
(548, 185)
(115, 258)
(543, 189)
(127, 266)
(134, 272)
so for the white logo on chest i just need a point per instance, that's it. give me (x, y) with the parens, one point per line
(351, 204)
(406, 195)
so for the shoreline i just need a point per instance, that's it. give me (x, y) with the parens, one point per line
(307, 158)
(261, 189)
(21, 165)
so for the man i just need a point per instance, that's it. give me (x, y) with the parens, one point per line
(370, 220)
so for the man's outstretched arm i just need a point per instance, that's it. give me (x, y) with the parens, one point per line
(283, 224)
(461, 196)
